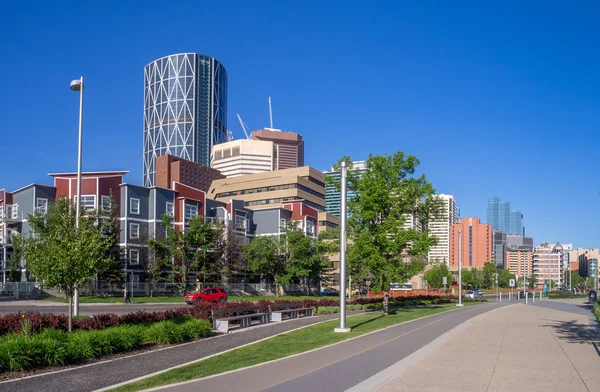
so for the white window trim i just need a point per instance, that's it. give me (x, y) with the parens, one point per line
(86, 196)
(107, 198)
(133, 261)
(185, 211)
(131, 206)
(172, 205)
(131, 225)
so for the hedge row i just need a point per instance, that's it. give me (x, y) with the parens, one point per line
(56, 347)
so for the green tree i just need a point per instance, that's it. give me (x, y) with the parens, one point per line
(472, 278)
(589, 282)
(111, 271)
(380, 246)
(489, 275)
(435, 276)
(265, 258)
(226, 259)
(576, 279)
(504, 277)
(59, 254)
(189, 247)
(532, 281)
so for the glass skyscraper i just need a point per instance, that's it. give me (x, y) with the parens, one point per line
(185, 109)
(503, 218)
(333, 196)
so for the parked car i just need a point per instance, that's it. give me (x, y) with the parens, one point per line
(473, 294)
(329, 291)
(206, 295)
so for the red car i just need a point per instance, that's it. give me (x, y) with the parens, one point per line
(206, 295)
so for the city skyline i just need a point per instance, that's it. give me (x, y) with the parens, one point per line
(419, 102)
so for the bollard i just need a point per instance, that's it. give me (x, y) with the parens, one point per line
(526, 296)
(533, 296)
(540, 295)
(501, 296)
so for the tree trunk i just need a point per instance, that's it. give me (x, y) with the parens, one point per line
(71, 313)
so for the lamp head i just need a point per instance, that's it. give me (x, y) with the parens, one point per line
(76, 85)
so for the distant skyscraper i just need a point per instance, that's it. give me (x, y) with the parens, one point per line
(333, 197)
(477, 243)
(441, 228)
(185, 109)
(290, 146)
(503, 218)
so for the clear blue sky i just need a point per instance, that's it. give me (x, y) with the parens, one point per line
(495, 101)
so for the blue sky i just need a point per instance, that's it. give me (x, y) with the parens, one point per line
(494, 100)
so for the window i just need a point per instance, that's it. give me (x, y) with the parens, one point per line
(106, 203)
(310, 227)
(135, 281)
(87, 201)
(41, 205)
(134, 231)
(240, 222)
(134, 206)
(190, 211)
(134, 256)
(170, 209)
(282, 224)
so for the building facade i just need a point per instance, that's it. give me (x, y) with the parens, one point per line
(477, 243)
(584, 260)
(273, 189)
(185, 109)
(440, 228)
(548, 264)
(171, 169)
(290, 146)
(241, 157)
(333, 196)
(503, 218)
(519, 261)
(499, 248)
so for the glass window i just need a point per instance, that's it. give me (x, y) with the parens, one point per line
(134, 231)
(134, 206)
(240, 222)
(134, 256)
(41, 205)
(106, 203)
(170, 209)
(135, 281)
(190, 211)
(310, 227)
(87, 201)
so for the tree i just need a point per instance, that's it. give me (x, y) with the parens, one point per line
(226, 259)
(188, 247)
(61, 255)
(489, 275)
(589, 282)
(504, 277)
(472, 278)
(264, 257)
(532, 281)
(380, 246)
(111, 271)
(435, 276)
(576, 279)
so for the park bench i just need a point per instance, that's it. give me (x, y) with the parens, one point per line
(292, 310)
(242, 316)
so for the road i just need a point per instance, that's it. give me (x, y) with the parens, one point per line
(8, 307)
(340, 367)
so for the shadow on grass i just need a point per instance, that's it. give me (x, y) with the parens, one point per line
(392, 312)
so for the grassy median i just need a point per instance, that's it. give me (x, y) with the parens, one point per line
(281, 346)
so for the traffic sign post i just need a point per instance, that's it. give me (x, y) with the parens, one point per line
(445, 282)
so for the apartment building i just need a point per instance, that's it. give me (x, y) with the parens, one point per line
(273, 189)
(241, 157)
(440, 227)
(548, 263)
(519, 261)
(477, 243)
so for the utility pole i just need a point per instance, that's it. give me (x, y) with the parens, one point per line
(459, 268)
(342, 327)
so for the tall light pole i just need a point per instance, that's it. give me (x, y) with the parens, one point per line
(459, 268)
(342, 327)
(77, 85)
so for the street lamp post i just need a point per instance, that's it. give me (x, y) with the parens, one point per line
(342, 327)
(77, 85)
(459, 268)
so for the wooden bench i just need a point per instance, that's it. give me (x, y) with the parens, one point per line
(242, 320)
(293, 310)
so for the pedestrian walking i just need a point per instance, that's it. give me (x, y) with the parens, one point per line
(126, 299)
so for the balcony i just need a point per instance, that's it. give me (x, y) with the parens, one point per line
(10, 212)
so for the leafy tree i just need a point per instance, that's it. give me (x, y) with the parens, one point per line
(264, 257)
(532, 281)
(472, 278)
(189, 247)
(61, 255)
(489, 275)
(504, 277)
(111, 271)
(380, 246)
(435, 275)
(589, 282)
(226, 259)
(575, 279)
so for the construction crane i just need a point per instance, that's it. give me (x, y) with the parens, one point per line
(245, 127)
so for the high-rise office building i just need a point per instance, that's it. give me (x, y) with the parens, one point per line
(185, 109)
(333, 197)
(499, 248)
(240, 157)
(290, 146)
(440, 228)
(477, 243)
(503, 218)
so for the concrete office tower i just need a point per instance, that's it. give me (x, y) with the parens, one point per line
(240, 157)
(185, 109)
(333, 196)
(290, 147)
(441, 228)
(476, 243)
(499, 248)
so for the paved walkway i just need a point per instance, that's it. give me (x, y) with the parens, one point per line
(547, 346)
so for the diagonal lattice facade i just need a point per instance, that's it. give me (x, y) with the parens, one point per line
(185, 109)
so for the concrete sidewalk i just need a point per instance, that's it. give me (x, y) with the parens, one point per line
(534, 348)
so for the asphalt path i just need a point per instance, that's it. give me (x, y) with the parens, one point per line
(84, 309)
(341, 366)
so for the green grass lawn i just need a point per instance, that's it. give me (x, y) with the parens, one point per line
(284, 345)
(144, 300)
